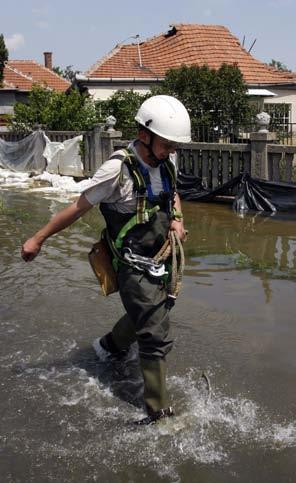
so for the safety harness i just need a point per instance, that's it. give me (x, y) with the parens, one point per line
(147, 206)
(142, 184)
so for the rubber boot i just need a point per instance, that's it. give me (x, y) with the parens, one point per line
(106, 350)
(155, 392)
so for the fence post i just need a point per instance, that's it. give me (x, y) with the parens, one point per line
(259, 156)
(97, 152)
(107, 138)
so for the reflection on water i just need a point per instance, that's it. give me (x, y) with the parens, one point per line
(220, 238)
(66, 416)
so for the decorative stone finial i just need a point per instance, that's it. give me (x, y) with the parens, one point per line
(263, 120)
(110, 123)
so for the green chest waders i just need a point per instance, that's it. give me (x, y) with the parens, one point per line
(144, 297)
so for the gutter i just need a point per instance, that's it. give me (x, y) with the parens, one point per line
(283, 85)
(82, 78)
(14, 89)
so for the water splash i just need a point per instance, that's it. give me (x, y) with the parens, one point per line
(206, 429)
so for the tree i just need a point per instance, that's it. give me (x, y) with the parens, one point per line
(123, 105)
(67, 73)
(278, 65)
(215, 99)
(3, 58)
(58, 70)
(54, 111)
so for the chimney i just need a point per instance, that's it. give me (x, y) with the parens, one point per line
(48, 59)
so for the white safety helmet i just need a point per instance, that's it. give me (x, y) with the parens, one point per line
(167, 117)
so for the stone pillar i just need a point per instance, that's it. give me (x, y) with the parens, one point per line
(97, 150)
(259, 155)
(107, 138)
(101, 144)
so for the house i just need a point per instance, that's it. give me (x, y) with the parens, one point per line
(19, 78)
(140, 65)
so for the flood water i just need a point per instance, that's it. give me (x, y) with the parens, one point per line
(65, 416)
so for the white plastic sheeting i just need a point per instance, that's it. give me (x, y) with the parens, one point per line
(36, 153)
(46, 183)
(25, 155)
(64, 184)
(12, 179)
(64, 158)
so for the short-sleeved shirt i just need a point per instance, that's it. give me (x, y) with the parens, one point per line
(120, 196)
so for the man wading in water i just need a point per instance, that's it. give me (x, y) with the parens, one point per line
(136, 192)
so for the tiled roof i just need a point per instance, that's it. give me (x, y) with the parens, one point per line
(13, 79)
(22, 74)
(189, 44)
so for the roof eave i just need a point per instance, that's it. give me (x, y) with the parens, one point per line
(272, 85)
(13, 89)
(80, 79)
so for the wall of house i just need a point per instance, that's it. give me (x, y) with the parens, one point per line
(7, 100)
(104, 92)
(286, 96)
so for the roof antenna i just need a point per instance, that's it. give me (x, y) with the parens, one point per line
(138, 44)
(243, 44)
(252, 46)
(139, 51)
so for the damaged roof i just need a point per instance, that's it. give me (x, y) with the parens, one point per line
(189, 44)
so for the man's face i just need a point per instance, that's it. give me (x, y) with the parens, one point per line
(162, 148)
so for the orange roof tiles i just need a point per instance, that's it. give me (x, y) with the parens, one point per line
(22, 74)
(13, 79)
(189, 44)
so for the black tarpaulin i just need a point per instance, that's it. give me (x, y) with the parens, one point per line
(260, 195)
(191, 188)
(247, 193)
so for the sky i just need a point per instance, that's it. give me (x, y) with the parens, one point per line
(79, 33)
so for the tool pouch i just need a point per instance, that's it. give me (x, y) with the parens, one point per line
(101, 263)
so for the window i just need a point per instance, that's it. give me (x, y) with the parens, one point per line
(280, 115)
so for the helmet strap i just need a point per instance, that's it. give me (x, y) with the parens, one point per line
(149, 147)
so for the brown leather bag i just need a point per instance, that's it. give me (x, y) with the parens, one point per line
(101, 263)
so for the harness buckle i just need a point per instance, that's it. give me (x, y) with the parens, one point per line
(145, 264)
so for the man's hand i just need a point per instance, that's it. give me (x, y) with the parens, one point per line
(30, 249)
(178, 227)
(61, 220)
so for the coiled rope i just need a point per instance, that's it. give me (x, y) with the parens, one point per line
(173, 248)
